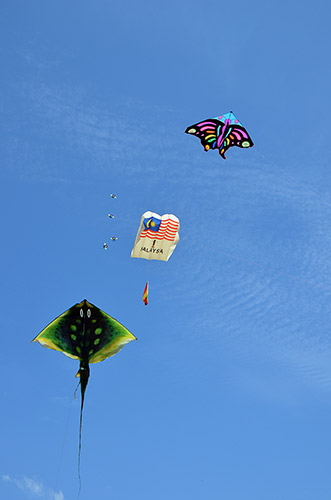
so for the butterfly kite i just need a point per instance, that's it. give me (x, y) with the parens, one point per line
(221, 132)
(87, 334)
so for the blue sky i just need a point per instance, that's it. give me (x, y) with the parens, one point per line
(227, 392)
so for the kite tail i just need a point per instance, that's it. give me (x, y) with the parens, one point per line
(83, 373)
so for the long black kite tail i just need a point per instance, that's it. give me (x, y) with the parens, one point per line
(84, 373)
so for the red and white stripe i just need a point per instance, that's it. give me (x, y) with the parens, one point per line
(167, 231)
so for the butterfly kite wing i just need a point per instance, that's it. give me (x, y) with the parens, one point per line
(206, 131)
(236, 136)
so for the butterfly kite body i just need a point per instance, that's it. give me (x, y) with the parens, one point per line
(221, 132)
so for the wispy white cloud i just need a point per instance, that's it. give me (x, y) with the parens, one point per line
(89, 131)
(33, 487)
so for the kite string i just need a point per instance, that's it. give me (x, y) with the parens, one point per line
(76, 390)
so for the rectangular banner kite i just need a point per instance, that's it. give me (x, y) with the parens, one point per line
(157, 236)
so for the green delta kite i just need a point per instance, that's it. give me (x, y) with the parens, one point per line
(87, 334)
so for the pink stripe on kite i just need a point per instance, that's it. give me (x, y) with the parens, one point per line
(224, 129)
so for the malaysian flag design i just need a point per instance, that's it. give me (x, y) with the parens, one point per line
(152, 223)
(157, 236)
